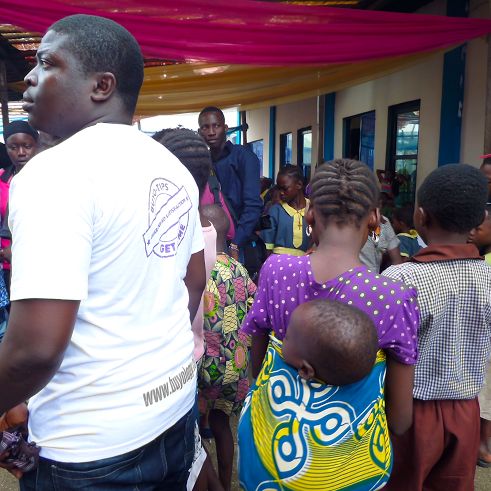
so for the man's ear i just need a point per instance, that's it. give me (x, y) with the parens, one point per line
(225, 127)
(104, 86)
(306, 370)
(421, 217)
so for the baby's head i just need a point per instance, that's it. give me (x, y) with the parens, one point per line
(330, 341)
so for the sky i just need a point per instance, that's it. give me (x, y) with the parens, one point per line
(154, 123)
(187, 120)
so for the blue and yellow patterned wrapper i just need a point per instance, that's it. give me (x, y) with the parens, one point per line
(296, 434)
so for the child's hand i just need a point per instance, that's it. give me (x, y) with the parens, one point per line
(15, 471)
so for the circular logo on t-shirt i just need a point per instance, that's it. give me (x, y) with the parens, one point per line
(168, 217)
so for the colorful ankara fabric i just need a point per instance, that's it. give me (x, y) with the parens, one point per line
(296, 434)
(287, 234)
(454, 286)
(223, 381)
(287, 281)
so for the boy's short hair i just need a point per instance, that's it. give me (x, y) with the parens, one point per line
(102, 45)
(455, 195)
(342, 341)
(404, 214)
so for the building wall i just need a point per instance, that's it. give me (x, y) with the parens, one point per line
(474, 111)
(292, 117)
(258, 121)
(289, 119)
(421, 81)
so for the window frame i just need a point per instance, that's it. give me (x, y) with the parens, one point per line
(306, 168)
(283, 147)
(393, 112)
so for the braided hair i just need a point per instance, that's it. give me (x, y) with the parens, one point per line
(292, 171)
(345, 190)
(191, 150)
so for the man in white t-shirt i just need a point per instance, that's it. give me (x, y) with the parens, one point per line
(107, 244)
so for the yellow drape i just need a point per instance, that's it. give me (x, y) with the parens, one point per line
(173, 89)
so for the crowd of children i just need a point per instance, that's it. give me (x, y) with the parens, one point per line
(367, 338)
(418, 398)
(365, 375)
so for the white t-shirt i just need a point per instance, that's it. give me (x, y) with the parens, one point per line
(109, 217)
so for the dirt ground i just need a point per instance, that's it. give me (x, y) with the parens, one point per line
(482, 482)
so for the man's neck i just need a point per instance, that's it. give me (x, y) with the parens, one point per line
(216, 152)
(443, 237)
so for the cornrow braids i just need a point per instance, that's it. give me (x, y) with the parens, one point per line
(345, 190)
(292, 171)
(190, 149)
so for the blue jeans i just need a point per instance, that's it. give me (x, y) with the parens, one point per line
(162, 464)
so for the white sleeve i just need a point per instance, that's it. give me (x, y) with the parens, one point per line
(51, 219)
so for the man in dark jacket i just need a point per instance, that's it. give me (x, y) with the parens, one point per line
(238, 170)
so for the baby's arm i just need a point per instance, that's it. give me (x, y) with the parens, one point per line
(399, 383)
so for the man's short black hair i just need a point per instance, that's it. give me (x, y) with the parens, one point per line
(455, 195)
(212, 109)
(102, 45)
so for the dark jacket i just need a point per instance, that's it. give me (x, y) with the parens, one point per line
(238, 170)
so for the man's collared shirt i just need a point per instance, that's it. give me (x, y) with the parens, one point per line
(454, 295)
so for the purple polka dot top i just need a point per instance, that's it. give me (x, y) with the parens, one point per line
(287, 281)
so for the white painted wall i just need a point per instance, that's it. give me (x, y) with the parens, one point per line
(423, 82)
(289, 119)
(258, 121)
(474, 111)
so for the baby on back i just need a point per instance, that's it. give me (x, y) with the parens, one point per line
(330, 341)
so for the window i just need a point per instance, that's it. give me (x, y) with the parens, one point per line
(285, 149)
(402, 150)
(305, 151)
(257, 147)
(359, 137)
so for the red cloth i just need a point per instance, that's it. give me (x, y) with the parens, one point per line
(4, 198)
(209, 199)
(260, 33)
(439, 452)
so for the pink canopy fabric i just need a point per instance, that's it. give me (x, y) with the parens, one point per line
(258, 33)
